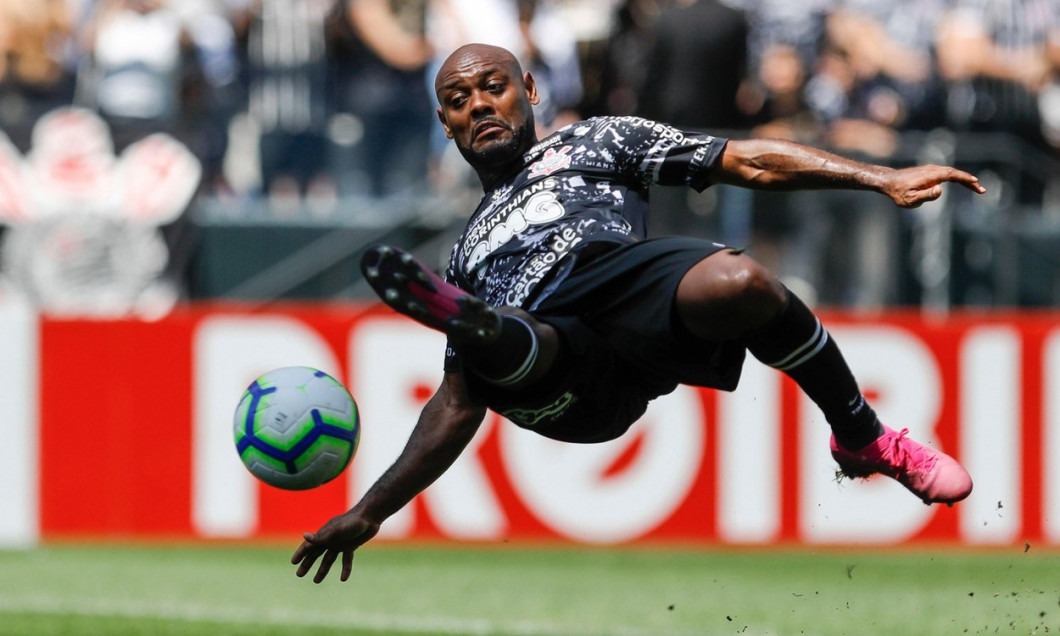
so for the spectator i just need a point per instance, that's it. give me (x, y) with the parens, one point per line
(34, 76)
(839, 246)
(626, 67)
(379, 60)
(997, 57)
(210, 92)
(286, 71)
(136, 76)
(158, 66)
(592, 23)
(889, 45)
(835, 97)
(784, 42)
(552, 57)
(698, 60)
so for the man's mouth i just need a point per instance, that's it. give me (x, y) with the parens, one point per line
(486, 129)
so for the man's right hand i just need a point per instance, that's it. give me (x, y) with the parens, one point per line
(447, 423)
(340, 535)
(915, 186)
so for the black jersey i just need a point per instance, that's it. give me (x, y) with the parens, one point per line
(588, 182)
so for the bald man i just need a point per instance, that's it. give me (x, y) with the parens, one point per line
(562, 317)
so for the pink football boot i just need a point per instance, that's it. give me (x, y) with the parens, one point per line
(932, 475)
(410, 288)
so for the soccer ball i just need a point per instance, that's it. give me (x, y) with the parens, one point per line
(296, 428)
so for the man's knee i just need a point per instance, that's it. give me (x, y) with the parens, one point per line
(728, 294)
(728, 277)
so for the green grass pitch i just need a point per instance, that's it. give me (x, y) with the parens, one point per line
(506, 590)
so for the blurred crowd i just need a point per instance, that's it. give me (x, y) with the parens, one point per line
(314, 97)
(302, 102)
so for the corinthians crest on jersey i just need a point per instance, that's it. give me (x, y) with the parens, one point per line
(587, 182)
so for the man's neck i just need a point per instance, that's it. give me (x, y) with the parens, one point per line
(492, 178)
(494, 175)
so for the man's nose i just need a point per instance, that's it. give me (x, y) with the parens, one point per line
(480, 104)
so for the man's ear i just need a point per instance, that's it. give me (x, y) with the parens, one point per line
(445, 124)
(530, 85)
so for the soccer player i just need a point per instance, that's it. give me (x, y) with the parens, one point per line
(561, 316)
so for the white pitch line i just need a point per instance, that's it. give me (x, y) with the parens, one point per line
(380, 622)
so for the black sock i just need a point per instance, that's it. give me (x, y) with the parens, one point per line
(796, 343)
(509, 358)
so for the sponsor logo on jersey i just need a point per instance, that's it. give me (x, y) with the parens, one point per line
(540, 208)
(552, 161)
(535, 269)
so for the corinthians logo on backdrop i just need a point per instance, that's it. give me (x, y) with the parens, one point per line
(83, 225)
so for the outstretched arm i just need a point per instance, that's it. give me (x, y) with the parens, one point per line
(446, 425)
(770, 164)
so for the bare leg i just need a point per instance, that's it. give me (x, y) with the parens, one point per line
(728, 295)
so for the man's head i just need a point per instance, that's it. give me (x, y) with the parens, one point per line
(485, 104)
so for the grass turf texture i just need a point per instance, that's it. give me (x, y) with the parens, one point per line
(233, 590)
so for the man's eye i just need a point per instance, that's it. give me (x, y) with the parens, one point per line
(457, 101)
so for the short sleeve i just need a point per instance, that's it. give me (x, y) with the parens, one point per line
(656, 153)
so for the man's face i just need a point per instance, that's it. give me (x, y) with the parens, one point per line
(486, 106)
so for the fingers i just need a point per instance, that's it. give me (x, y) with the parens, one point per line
(308, 555)
(925, 184)
(347, 565)
(325, 565)
(967, 180)
(341, 535)
(303, 549)
(974, 186)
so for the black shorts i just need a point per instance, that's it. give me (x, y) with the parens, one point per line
(615, 311)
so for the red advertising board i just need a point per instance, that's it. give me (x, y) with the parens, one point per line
(134, 438)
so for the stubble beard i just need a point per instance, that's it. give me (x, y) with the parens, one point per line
(497, 155)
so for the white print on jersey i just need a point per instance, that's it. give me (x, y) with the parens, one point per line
(539, 265)
(542, 207)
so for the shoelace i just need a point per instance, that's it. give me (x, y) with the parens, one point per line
(911, 456)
